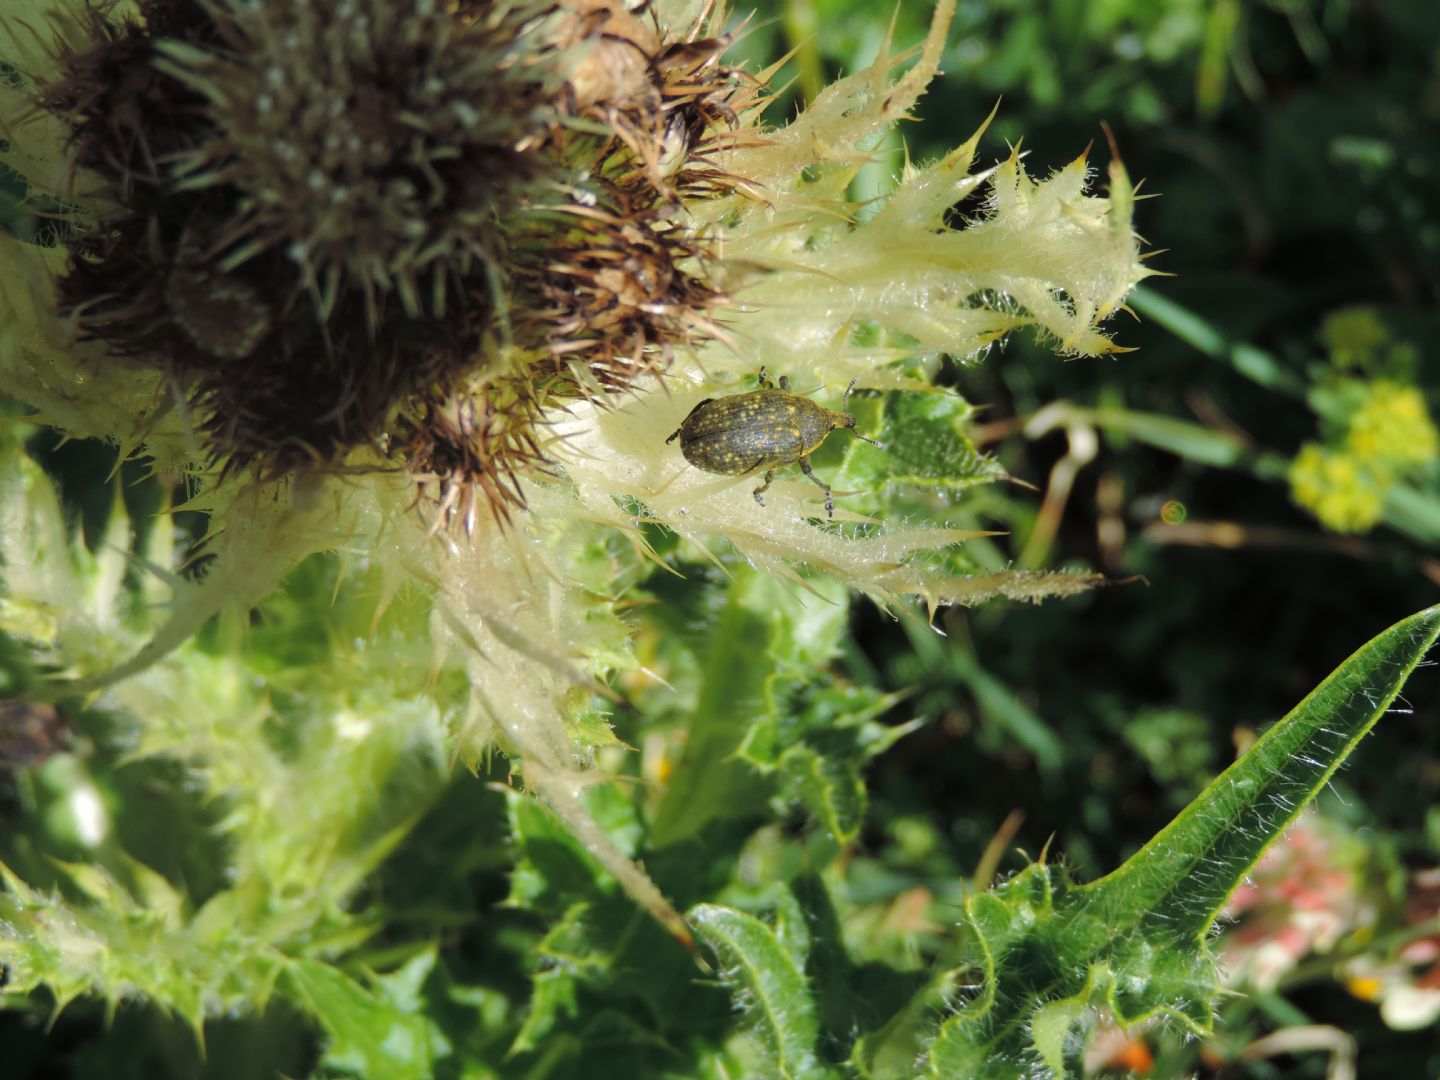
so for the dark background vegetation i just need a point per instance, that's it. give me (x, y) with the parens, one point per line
(1294, 152)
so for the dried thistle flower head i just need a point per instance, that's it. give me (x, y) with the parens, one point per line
(372, 144)
(302, 187)
(353, 224)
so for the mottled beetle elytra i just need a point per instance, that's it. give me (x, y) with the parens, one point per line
(764, 429)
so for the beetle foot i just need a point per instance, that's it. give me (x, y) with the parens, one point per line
(764, 487)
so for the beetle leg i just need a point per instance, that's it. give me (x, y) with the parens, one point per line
(764, 380)
(691, 413)
(764, 487)
(829, 499)
(784, 382)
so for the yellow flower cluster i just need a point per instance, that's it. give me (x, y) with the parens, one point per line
(1393, 425)
(1338, 488)
(1389, 432)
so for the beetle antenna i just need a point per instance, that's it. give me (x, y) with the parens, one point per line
(846, 397)
(872, 442)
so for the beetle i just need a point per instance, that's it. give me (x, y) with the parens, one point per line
(764, 429)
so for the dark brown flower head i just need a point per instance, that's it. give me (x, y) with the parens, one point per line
(411, 224)
(372, 142)
(308, 202)
(126, 118)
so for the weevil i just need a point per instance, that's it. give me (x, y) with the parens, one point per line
(764, 429)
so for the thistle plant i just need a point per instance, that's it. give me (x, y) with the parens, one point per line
(433, 283)
(405, 299)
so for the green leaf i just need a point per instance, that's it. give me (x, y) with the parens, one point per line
(768, 984)
(927, 445)
(853, 998)
(368, 1035)
(830, 788)
(560, 957)
(890, 1052)
(770, 634)
(816, 737)
(735, 662)
(551, 867)
(1047, 952)
(1183, 876)
(1414, 512)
